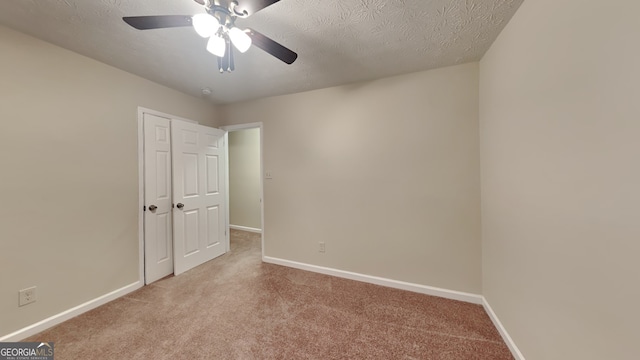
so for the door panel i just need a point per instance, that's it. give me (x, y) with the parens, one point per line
(213, 225)
(158, 239)
(190, 175)
(164, 245)
(191, 243)
(198, 174)
(163, 176)
(212, 175)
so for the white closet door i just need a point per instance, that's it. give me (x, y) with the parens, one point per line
(158, 225)
(198, 193)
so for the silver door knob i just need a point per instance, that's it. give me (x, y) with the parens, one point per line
(180, 206)
(152, 208)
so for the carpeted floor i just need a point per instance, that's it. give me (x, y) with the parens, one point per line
(236, 307)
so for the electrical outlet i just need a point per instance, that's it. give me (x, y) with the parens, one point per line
(268, 175)
(27, 296)
(321, 248)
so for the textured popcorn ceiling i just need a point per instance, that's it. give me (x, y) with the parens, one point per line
(337, 41)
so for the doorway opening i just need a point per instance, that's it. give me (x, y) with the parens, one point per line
(244, 176)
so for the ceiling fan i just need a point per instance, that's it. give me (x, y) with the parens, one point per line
(218, 24)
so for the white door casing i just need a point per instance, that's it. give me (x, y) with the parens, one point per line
(199, 187)
(157, 193)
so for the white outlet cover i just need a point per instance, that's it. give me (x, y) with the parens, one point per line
(27, 296)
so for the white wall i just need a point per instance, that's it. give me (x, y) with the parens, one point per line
(386, 173)
(560, 150)
(69, 175)
(244, 178)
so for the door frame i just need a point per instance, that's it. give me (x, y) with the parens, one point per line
(239, 127)
(141, 204)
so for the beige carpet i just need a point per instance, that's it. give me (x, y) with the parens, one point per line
(236, 307)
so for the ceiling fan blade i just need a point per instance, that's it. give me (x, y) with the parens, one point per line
(253, 6)
(158, 22)
(272, 47)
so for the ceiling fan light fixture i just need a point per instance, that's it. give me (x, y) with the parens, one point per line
(240, 39)
(217, 24)
(205, 24)
(216, 46)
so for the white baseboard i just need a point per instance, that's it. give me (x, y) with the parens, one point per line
(422, 289)
(245, 228)
(503, 332)
(68, 314)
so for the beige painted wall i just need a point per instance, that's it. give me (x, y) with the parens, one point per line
(69, 175)
(244, 178)
(385, 172)
(560, 148)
